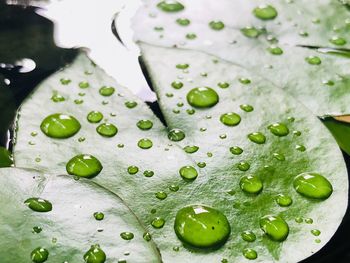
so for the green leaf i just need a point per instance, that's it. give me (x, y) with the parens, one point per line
(275, 49)
(69, 230)
(5, 157)
(150, 180)
(340, 131)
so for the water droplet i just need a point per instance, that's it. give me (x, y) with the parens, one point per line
(303, 33)
(223, 85)
(191, 149)
(230, 119)
(107, 130)
(201, 226)
(145, 143)
(265, 12)
(317, 240)
(188, 173)
(182, 66)
(274, 50)
(328, 82)
(158, 222)
(78, 101)
(95, 255)
(39, 255)
(298, 220)
(257, 137)
(84, 84)
(99, 216)
(94, 116)
(251, 184)
(247, 107)
(216, 25)
(120, 145)
(313, 60)
(144, 124)
(148, 173)
(84, 165)
(201, 164)
(38, 204)
(203, 97)
(191, 36)
(174, 188)
(170, 6)
(127, 235)
(190, 111)
(243, 166)
(236, 150)
(177, 84)
(57, 98)
(278, 129)
(250, 253)
(65, 81)
(316, 232)
(106, 91)
(274, 227)
(338, 41)
(37, 229)
(133, 169)
(312, 185)
(297, 133)
(161, 195)
(60, 126)
(244, 81)
(283, 200)
(176, 135)
(130, 104)
(183, 21)
(309, 220)
(250, 32)
(279, 156)
(147, 236)
(300, 148)
(248, 236)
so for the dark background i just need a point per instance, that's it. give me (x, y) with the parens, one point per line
(25, 34)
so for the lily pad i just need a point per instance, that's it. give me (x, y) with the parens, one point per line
(66, 231)
(156, 178)
(275, 49)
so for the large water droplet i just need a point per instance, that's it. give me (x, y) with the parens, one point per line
(95, 255)
(94, 116)
(312, 185)
(201, 226)
(274, 227)
(38, 204)
(39, 255)
(170, 6)
(251, 184)
(60, 126)
(188, 173)
(107, 130)
(265, 12)
(203, 97)
(257, 137)
(144, 124)
(84, 165)
(279, 129)
(230, 119)
(145, 143)
(176, 135)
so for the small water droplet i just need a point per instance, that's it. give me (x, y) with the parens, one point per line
(283, 200)
(278, 129)
(250, 253)
(147, 236)
(243, 166)
(275, 50)
(188, 173)
(94, 117)
(107, 130)
(279, 156)
(133, 169)
(274, 227)
(201, 226)
(170, 6)
(95, 255)
(84, 84)
(144, 124)
(201, 164)
(158, 222)
(191, 148)
(250, 32)
(216, 25)
(161, 195)
(65, 81)
(300, 148)
(316, 232)
(248, 236)
(176, 135)
(177, 84)
(183, 21)
(99, 216)
(230, 119)
(223, 85)
(57, 98)
(236, 150)
(309, 221)
(130, 104)
(148, 173)
(37, 229)
(313, 185)
(338, 41)
(145, 143)
(191, 36)
(298, 220)
(106, 91)
(39, 255)
(265, 12)
(38, 204)
(313, 60)
(127, 235)
(60, 126)
(182, 66)
(84, 165)
(246, 107)
(257, 137)
(251, 184)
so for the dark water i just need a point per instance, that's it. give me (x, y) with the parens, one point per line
(25, 34)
